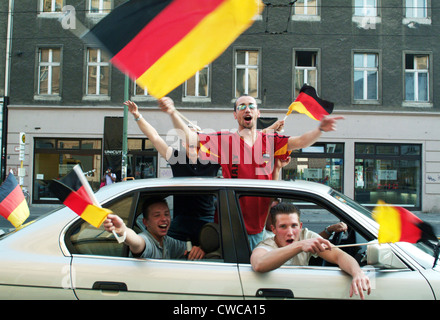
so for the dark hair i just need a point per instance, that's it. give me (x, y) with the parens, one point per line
(283, 208)
(235, 102)
(149, 202)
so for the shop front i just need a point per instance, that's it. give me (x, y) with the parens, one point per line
(388, 172)
(322, 163)
(55, 157)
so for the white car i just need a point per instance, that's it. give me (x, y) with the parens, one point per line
(60, 256)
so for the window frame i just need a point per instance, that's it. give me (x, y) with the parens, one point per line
(52, 7)
(101, 10)
(98, 64)
(307, 16)
(429, 71)
(247, 67)
(197, 97)
(50, 64)
(378, 69)
(317, 68)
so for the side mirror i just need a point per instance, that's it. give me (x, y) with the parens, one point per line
(381, 255)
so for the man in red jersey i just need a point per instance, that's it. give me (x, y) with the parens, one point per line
(248, 153)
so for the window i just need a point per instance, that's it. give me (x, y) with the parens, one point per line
(322, 162)
(388, 172)
(49, 65)
(100, 6)
(416, 9)
(306, 7)
(365, 8)
(198, 85)
(139, 91)
(98, 69)
(51, 5)
(306, 70)
(247, 72)
(83, 238)
(417, 77)
(366, 76)
(54, 158)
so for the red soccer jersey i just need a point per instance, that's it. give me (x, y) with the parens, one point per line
(240, 160)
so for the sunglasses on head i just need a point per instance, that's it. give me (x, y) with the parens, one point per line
(244, 106)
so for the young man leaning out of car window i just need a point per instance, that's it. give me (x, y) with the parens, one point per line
(153, 243)
(293, 245)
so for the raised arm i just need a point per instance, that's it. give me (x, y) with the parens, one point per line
(307, 139)
(149, 131)
(135, 242)
(360, 282)
(167, 106)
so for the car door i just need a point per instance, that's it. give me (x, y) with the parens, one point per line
(100, 271)
(331, 283)
(394, 278)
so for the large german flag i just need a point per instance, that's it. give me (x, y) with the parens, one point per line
(310, 104)
(13, 205)
(80, 205)
(162, 43)
(398, 224)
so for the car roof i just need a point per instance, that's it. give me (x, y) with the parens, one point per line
(132, 185)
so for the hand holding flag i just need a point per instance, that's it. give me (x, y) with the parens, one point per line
(74, 191)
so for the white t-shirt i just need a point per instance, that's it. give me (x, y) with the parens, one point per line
(108, 179)
(302, 258)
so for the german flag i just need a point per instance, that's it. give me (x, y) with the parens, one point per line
(78, 204)
(310, 104)
(398, 224)
(162, 43)
(13, 205)
(73, 181)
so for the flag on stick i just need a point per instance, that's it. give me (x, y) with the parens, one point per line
(162, 43)
(74, 192)
(13, 205)
(310, 104)
(398, 224)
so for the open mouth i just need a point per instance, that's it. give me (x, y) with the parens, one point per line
(163, 226)
(247, 118)
(289, 241)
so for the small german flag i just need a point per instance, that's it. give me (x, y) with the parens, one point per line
(398, 224)
(78, 204)
(162, 43)
(13, 205)
(310, 104)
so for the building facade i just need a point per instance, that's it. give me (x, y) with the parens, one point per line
(376, 61)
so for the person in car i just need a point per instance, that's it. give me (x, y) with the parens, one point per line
(191, 211)
(294, 245)
(153, 243)
(248, 153)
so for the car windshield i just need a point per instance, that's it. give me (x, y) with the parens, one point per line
(31, 219)
(349, 202)
(426, 257)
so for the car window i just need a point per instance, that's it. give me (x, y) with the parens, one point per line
(83, 238)
(194, 220)
(316, 216)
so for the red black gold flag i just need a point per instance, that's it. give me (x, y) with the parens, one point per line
(13, 205)
(79, 204)
(310, 104)
(398, 224)
(162, 43)
(72, 181)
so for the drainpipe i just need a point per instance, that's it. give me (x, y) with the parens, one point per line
(4, 137)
